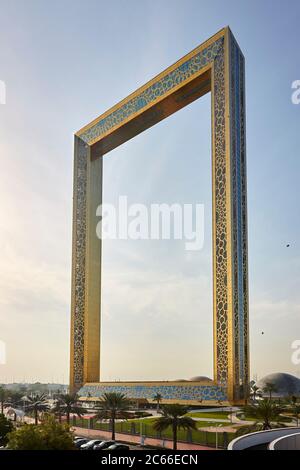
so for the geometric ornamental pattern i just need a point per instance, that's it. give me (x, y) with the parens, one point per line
(196, 393)
(217, 66)
(153, 92)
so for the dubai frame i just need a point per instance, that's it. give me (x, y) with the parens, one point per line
(216, 66)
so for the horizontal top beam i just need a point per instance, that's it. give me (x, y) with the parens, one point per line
(102, 130)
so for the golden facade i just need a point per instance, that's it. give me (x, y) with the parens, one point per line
(217, 66)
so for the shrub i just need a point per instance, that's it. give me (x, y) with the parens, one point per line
(6, 426)
(49, 435)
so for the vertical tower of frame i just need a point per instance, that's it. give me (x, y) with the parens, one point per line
(239, 219)
(230, 264)
(86, 268)
(230, 221)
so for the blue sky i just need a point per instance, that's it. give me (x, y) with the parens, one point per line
(66, 62)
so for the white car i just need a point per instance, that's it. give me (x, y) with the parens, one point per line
(90, 444)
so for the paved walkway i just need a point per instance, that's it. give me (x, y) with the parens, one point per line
(208, 420)
(216, 410)
(219, 429)
(212, 420)
(240, 421)
(134, 439)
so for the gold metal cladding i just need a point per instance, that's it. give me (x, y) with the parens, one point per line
(217, 76)
(229, 222)
(151, 82)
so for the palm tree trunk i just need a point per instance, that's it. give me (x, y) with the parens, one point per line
(174, 437)
(68, 417)
(113, 433)
(267, 425)
(36, 416)
(2, 407)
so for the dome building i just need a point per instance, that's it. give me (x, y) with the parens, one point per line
(284, 384)
(200, 378)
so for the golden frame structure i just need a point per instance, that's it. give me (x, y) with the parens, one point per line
(217, 65)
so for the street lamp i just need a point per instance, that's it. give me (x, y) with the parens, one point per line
(231, 411)
(142, 439)
(217, 426)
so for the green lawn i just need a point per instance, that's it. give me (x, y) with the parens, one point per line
(208, 415)
(246, 418)
(132, 426)
(207, 424)
(148, 422)
(282, 419)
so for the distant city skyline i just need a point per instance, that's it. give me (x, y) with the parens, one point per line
(63, 65)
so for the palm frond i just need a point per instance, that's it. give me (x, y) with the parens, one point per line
(161, 424)
(186, 423)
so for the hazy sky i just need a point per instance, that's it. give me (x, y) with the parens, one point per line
(65, 62)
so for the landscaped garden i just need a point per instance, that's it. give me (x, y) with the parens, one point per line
(145, 426)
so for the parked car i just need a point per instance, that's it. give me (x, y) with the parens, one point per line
(104, 445)
(117, 446)
(90, 444)
(79, 442)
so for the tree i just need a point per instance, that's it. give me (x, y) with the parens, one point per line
(3, 398)
(57, 436)
(174, 416)
(265, 412)
(58, 410)
(49, 435)
(6, 426)
(296, 412)
(27, 437)
(14, 398)
(37, 403)
(113, 406)
(38, 388)
(67, 404)
(293, 398)
(270, 388)
(157, 398)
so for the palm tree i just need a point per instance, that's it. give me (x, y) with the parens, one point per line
(270, 388)
(37, 403)
(67, 404)
(9, 398)
(58, 410)
(14, 398)
(157, 398)
(174, 416)
(113, 406)
(264, 412)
